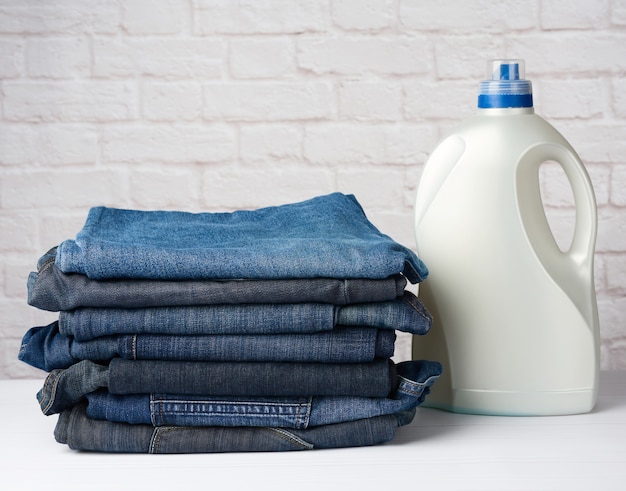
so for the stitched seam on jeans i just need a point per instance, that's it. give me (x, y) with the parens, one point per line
(161, 409)
(290, 437)
(304, 415)
(46, 264)
(212, 407)
(297, 416)
(406, 388)
(155, 440)
(156, 415)
(55, 379)
(133, 347)
(346, 297)
(415, 306)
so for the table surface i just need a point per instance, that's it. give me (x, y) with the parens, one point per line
(439, 450)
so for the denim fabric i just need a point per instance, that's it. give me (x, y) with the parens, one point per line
(405, 313)
(51, 289)
(327, 236)
(414, 381)
(46, 348)
(65, 388)
(79, 432)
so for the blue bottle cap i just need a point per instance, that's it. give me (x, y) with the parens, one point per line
(506, 87)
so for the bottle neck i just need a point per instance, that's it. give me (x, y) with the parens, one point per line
(504, 111)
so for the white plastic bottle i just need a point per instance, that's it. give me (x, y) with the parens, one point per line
(515, 317)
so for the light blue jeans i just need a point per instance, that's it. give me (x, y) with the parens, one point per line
(326, 236)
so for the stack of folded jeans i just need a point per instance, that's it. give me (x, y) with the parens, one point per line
(263, 330)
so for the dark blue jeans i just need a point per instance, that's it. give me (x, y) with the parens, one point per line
(405, 313)
(414, 381)
(65, 388)
(79, 432)
(327, 236)
(46, 348)
(51, 289)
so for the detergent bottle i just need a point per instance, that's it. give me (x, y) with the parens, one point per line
(515, 316)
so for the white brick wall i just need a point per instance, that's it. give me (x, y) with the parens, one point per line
(216, 105)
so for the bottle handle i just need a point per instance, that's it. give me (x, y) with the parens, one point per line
(564, 266)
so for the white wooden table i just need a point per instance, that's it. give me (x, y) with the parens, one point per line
(439, 450)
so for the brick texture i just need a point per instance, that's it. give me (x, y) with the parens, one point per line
(217, 105)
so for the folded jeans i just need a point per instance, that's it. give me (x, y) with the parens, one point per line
(51, 289)
(80, 432)
(326, 236)
(414, 381)
(46, 348)
(404, 313)
(67, 387)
